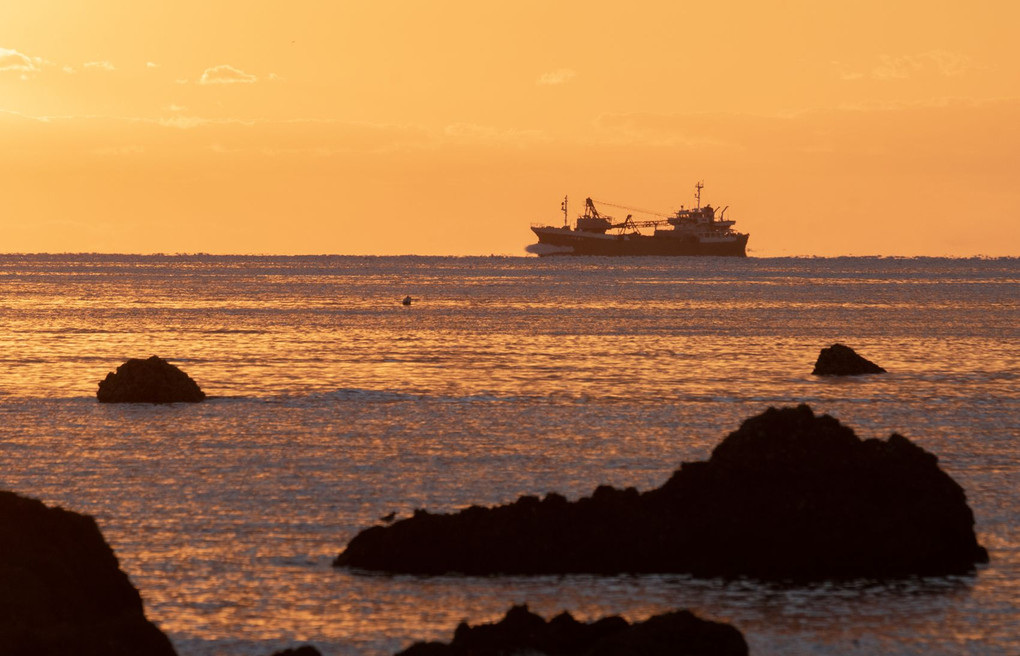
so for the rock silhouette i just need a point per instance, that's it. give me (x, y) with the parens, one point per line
(840, 360)
(304, 650)
(788, 496)
(61, 588)
(148, 381)
(523, 632)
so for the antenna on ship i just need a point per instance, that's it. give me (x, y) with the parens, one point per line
(697, 192)
(563, 206)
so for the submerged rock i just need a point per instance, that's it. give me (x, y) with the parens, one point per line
(148, 381)
(789, 495)
(62, 590)
(523, 632)
(840, 360)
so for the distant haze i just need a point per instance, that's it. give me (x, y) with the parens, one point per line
(399, 127)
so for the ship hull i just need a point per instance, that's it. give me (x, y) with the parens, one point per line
(564, 241)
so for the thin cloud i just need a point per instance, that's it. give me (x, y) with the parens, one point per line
(151, 65)
(902, 67)
(559, 76)
(695, 130)
(221, 149)
(19, 115)
(12, 60)
(184, 122)
(225, 74)
(188, 122)
(860, 134)
(472, 133)
(101, 65)
(107, 151)
(298, 137)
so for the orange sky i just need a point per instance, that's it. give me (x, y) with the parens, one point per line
(448, 127)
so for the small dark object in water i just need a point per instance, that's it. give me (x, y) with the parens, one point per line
(523, 632)
(62, 590)
(788, 496)
(407, 300)
(840, 360)
(148, 381)
(389, 517)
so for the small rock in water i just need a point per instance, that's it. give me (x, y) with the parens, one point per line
(148, 381)
(406, 301)
(840, 360)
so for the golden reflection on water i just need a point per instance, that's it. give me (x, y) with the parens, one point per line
(334, 405)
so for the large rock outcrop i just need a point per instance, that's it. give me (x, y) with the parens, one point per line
(522, 632)
(148, 381)
(840, 360)
(62, 591)
(789, 495)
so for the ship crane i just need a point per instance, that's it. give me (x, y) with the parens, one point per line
(590, 212)
(634, 209)
(628, 223)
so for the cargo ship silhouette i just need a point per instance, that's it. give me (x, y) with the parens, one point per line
(694, 231)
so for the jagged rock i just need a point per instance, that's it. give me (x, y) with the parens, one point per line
(523, 632)
(61, 588)
(148, 381)
(840, 360)
(789, 495)
(304, 650)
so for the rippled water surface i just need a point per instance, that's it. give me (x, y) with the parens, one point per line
(333, 405)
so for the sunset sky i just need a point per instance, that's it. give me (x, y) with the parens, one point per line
(873, 127)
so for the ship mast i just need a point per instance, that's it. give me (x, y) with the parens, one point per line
(563, 206)
(697, 192)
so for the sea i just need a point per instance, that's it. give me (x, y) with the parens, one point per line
(332, 405)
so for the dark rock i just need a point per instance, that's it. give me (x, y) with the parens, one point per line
(521, 631)
(61, 588)
(789, 495)
(148, 381)
(304, 650)
(840, 360)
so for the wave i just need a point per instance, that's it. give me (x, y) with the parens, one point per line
(558, 397)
